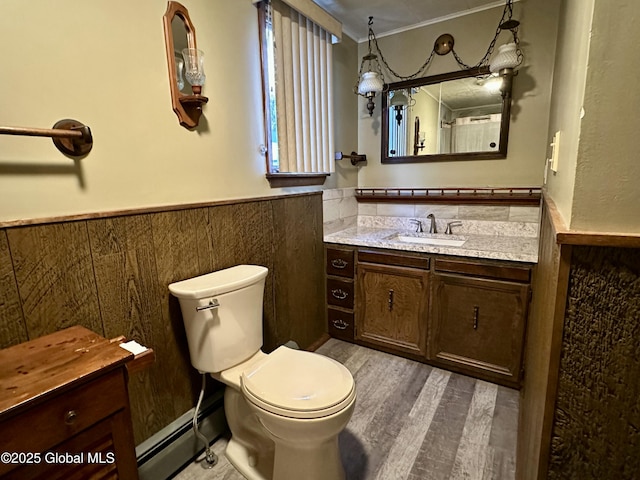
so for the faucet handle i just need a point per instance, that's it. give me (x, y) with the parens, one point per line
(452, 224)
(418, 225)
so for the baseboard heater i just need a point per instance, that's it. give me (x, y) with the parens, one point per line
(173, 447)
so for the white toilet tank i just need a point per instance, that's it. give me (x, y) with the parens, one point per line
(222, 314)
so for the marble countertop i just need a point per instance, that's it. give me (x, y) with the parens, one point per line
(498, 247)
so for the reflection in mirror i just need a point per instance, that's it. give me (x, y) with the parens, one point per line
(180, 42)
(458, 116)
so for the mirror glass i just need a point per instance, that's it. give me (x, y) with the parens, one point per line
(458, 116)
(180, 41)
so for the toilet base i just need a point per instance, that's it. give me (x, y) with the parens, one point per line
(245, 461)
(320, 463)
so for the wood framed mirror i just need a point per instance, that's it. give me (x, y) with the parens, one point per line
(461, 115)
(180, 33)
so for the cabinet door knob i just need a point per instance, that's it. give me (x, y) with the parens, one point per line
(390, 301)
(70, 417)
(339, 263)
(339, 293)
(476, 309)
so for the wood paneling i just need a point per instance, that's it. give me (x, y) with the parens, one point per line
(52, 265)
(183, 249)
(111, 276)
(542, 352)
(243, 234)
(12, 326)
(299, 269)
(597, 412)
(130, 305)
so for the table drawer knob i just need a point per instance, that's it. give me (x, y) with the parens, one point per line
(70, 417)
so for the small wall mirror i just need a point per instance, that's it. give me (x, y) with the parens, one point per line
(179, 33)
(455, 116)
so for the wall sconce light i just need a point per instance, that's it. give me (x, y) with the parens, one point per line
(371, 81)
(188, 108)
(509, 56)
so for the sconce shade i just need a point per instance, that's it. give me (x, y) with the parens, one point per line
(507, 57)
(370, 83)
(194, 66)
(399, 99)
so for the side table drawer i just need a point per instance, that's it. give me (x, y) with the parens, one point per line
(340, 293)
(64, 415)
(340, 324)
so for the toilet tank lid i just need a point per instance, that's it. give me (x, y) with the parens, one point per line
(219, 282)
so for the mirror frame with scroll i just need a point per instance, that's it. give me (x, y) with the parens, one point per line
(501, 152)
(188, 108)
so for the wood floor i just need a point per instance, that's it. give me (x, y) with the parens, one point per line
(414, 422)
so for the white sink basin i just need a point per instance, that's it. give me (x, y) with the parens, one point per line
(430, 241)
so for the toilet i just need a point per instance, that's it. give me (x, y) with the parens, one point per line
(285, 409)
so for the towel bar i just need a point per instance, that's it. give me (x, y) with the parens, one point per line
(69, 136)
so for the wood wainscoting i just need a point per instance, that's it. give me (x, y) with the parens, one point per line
(579, 401)
(110, 273)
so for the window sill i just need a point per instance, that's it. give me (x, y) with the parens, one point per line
(296, 179)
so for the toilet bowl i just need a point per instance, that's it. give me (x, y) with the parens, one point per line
(285, 409)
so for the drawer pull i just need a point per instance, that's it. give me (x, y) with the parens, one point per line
(340, 324)
(339, 293)
(70, 417)
(476, 309)
(339, 263)
(390, 301)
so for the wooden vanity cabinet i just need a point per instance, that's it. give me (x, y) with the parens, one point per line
(462, 314)
(478, 318)
(392, 302)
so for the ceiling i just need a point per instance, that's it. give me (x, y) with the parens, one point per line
(390, 16)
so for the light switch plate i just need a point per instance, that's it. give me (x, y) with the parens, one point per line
(555, 151)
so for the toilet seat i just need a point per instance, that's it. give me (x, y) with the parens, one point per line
(298, 384)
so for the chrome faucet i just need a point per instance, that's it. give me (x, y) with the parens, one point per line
(452, 224)
(418, 225)
(432, 228)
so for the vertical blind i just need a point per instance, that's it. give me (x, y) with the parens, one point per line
(304, 92)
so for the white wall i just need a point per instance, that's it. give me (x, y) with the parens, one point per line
(606, 193)
(596, 186)
(567, 99)
(103, 63)
(530, 110)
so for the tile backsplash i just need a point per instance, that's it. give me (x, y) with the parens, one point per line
(341, 210)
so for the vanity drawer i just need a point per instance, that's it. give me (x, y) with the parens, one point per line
(512, 273)
(340, 324)
(340, 262)
(340, 293)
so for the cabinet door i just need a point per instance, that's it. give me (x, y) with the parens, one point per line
(392, 307)
(478, 326)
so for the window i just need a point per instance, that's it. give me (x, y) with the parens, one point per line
(298, 91)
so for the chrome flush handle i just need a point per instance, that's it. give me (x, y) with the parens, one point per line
(213, 303)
